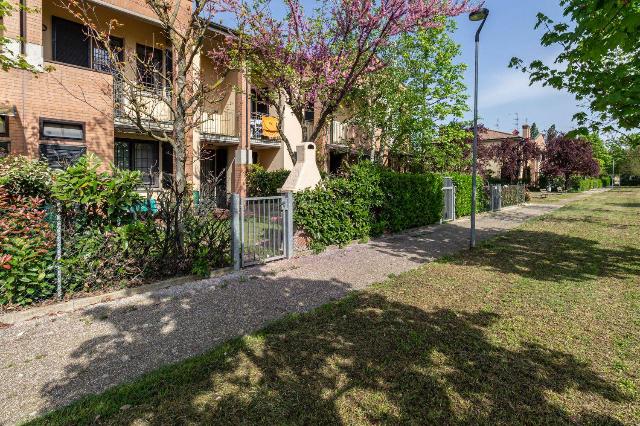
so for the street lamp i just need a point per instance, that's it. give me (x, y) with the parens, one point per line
(478, 15)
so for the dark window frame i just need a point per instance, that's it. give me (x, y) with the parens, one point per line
(55, 21)
(44, 120)
(144, 79)
(156, 153)
(91, 47)
(5, 134)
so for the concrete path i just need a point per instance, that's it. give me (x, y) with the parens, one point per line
(50, 361)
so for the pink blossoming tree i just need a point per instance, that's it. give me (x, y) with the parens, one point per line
(314, 61)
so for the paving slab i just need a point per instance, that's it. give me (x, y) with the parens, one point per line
(52, 360)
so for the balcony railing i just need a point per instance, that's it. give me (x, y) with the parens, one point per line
(219, 124)
(146, 100)
(339, 133)
(257, 130)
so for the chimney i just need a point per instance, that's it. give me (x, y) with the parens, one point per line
(305, 173)
(526, 131)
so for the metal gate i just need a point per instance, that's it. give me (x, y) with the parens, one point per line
(262, 228)
(496, 197)
(449, 193)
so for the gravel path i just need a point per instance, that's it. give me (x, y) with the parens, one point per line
(51, 361)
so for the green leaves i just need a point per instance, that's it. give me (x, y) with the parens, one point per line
(599, 60)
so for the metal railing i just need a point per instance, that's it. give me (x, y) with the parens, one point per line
(147, 100)
(262, 229)
(339, 133)
(219, 123)
(257, 130)
(449, 194)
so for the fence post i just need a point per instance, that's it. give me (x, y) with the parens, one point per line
(235, 231)
(58, 250)
(288, 228)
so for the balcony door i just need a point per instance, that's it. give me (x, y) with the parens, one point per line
(213, 176)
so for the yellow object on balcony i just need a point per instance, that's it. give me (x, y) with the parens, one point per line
(270, 127)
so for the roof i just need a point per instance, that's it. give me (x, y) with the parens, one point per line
(490, 135)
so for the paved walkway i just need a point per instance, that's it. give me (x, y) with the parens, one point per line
(51, 361)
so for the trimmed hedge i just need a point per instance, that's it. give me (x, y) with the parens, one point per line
(581, 184)
(463, 183)
(340, 209)
(409, 201)
(262, 183)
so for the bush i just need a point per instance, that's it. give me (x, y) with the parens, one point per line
(409, 201)
(580, 184)
(261, 183)
(554, 182)
(367, 201)
(463, 184)
(97, 198)
(340, 209)
(606, 181)
(22, 176)
(26, 255)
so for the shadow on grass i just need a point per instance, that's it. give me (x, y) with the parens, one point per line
(547, 256)
(365, 359)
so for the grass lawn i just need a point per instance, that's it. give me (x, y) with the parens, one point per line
(539, 326)
(549, 197)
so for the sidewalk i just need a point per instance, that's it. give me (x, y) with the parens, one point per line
(51, 361)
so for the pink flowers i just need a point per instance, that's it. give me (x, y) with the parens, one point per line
(320, 57)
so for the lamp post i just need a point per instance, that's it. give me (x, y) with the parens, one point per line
(478, 15)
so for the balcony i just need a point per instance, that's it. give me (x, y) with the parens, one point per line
(264, 130)
(220, 126)
(149, 102)
(339, 133)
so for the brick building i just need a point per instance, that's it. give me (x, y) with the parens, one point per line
(69, 109)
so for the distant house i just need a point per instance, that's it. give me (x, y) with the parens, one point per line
(529, 172)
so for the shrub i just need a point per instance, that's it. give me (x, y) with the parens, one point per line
(463, 184)
(606, 181)
(261, 183)
(26, 242)
(25, 177)
(579, 183)
(409, 201)
(340, 209)
(97, 198)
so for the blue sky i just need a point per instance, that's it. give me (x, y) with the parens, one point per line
(503, 91)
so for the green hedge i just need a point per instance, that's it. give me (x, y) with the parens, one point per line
(581, 184)
(463, 182)
(606, 181)
(261, 183)
(409, 201)
(340, 209)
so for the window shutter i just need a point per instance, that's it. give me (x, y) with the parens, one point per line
(61, 156)
(70, 43)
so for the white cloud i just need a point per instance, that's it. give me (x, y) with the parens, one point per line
(513, 86)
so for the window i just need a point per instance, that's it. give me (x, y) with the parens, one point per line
(57, 129)
(101, 59)
(4, 126)
(70, 43)
(4, 148)
(167, 165)
(258, 103)
(61, 156)
(138, 155)
(149, 66)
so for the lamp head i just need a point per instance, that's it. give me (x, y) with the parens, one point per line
(479, 15)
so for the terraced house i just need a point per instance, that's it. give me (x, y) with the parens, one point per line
(74, 105)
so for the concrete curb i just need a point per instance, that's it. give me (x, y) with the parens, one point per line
(72, 305)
